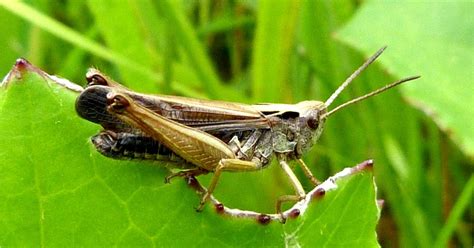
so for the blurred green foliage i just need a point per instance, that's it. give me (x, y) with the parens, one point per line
(288, 51)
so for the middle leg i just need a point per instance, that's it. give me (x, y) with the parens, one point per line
(299, 191)
(308, 173)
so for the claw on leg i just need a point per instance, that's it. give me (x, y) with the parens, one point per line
(203, 201)
(286, 198)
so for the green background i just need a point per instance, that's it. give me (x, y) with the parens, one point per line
(420, 135)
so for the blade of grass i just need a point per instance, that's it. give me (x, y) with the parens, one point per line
(138, 45)
(62, 31)
(461, 204)
(195, 52)
(274, 40)
(75, 56)
(404, 201)
(225, 24)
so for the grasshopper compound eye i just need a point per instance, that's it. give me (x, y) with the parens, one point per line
(313, 122)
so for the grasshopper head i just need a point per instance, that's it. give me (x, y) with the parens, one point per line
(313, 114)
(311, 124)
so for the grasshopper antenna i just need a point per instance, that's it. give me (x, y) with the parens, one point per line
(373, 93)
(352, 77)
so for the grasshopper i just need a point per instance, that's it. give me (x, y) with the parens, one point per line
(202, 136)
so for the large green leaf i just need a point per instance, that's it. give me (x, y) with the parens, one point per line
(56, 190)
(422, 41)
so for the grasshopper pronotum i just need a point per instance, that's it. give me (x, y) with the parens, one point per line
(201, 136)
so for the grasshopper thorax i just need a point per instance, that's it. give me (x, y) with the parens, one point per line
(295, 128)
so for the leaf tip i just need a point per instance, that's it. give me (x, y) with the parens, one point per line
(294, 213)
(319, 193)
(380, 203)
(219, 208)
(23, 67)
(20, 68)
(21, 64)
(367, 165)
(264, 219)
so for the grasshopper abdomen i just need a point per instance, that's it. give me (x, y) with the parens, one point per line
(136, 146)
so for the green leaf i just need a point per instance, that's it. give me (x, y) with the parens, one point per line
(58, 191)
(443, 56)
